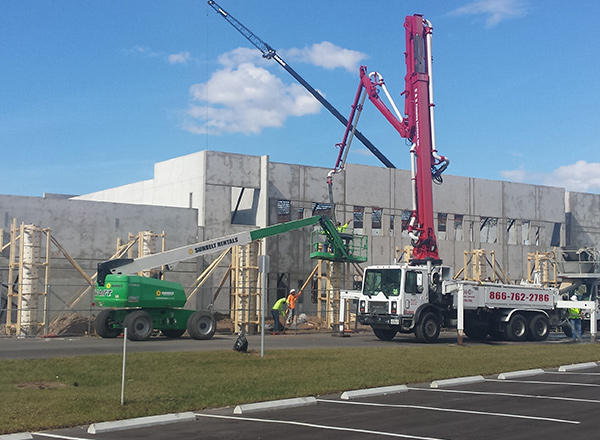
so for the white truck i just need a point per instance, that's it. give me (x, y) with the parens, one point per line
(421, 299)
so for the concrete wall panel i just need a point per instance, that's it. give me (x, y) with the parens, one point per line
(286, 183)
(232, 169)
(315, 185)
(519, 201)
(368, 186)
(551, 204)
(487, 198)
(453, 196)
(402, 197)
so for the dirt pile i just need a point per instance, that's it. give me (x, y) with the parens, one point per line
(71, 324)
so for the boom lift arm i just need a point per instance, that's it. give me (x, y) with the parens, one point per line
(417, 127)
(128, 266)
(270, 53)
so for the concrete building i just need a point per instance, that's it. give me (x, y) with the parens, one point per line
(233, 192)
(210, 194)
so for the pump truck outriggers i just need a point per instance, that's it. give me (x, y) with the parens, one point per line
(144, 304)
(421, 296)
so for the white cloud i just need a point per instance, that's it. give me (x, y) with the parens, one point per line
(519, 175)
(245, 99)
(495, 11)
(241, 55)
(147, 52)
(144, 51)
(581, 176)
(327, 55)
(179, 58)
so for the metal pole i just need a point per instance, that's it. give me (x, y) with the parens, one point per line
(263, 307)
(124, 362)
(342, 313)
(593, 322)
(47, 311)
(461, 315)
(263, 268)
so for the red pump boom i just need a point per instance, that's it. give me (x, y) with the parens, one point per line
(417, 126)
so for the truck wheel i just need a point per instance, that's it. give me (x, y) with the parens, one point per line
(139, 326)
(103, 324)
(517, 328)
(384, 334)
(171, 333)
(539, 328)
(428, 328)
(201, 325)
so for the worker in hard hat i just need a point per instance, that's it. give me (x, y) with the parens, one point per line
(291, 304)
(279, 308)
(575, 320)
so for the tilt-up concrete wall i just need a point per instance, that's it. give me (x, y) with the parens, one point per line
(88, 231)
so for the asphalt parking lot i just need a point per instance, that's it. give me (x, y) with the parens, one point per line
(548, 404)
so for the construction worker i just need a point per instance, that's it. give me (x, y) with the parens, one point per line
(575, 320)
(342, 228)
(291, 304)
(342, 231)
(278, 309)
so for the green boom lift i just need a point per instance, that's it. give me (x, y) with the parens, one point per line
(143, 304)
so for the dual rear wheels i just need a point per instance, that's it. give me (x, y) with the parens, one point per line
(519, 328)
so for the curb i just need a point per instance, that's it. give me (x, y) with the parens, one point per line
(521, 373)
(456, 381)
(274, 404)
(17, 436)
(577, 366)
(370, 392)
(141, 422)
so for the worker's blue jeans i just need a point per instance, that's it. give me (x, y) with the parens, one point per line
(576, 324)
(275, 314)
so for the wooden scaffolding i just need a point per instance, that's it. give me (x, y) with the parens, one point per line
(28, 265)
(246, 287)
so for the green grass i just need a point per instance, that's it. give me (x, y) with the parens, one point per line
(62, 392)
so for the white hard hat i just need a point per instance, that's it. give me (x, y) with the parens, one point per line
(292, 290)
(574, 298)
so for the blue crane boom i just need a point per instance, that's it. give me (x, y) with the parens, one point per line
(270, 53)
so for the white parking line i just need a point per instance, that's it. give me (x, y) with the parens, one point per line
(488, 393)
(313, 425)
(452, 410)
(540, 382)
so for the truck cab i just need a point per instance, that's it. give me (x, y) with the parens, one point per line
(404, 298)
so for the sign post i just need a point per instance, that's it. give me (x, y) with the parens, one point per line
(264, 261)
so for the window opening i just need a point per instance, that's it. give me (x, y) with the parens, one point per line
(376, 221)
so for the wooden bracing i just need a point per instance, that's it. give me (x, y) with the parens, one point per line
(29, 264)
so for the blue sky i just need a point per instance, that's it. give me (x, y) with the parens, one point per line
(92, 94)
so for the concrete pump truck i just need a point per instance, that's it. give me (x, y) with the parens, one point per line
(421, 297)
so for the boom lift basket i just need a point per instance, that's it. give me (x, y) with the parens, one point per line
(340, 247)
